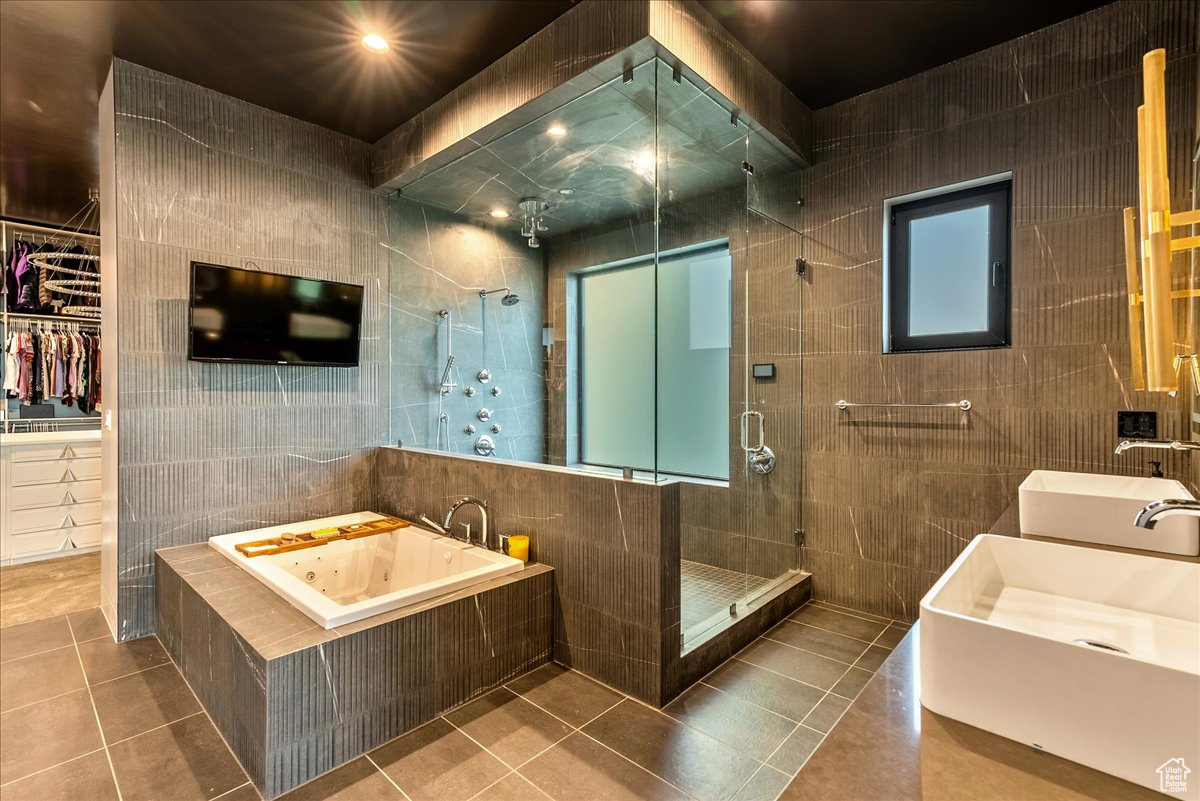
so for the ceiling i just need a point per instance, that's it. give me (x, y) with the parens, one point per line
(302, 58)
(599, 164)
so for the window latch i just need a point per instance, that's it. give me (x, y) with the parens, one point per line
(997, 274)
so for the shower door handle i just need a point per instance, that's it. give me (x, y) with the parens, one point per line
(746, 432)
(760, 458)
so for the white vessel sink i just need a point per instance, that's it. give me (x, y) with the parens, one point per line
(1003, 644)
(1096, 508)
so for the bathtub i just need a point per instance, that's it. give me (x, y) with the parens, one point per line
(344, 581)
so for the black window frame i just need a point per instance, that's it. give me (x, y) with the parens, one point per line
(998, 197)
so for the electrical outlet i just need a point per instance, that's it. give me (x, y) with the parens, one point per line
(1137, 425)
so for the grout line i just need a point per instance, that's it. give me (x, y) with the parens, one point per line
(565, 736)
(211, 722)
(384, 772)
(39, 653)
(840, 634)
(511, 772)
(636, 765)
(749, 703)
(487, 750)
(156, 728)
(233, 790)
(848, 612)
(765, 765)
(51, 767)
(765, 636)
(99, 728)
(48, 698)
(784, 675)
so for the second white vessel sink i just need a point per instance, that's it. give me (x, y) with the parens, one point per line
(1089, 507)
(1091, 655)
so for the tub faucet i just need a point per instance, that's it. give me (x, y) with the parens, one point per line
(469, 501)
(1153, 510)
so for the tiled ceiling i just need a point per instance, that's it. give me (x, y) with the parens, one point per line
(302, 58)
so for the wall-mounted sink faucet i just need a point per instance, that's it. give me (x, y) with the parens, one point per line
(1163, 444)
(1148, 517)
(469, 501)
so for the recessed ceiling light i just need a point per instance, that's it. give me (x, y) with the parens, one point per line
(375, 43)
(556, 131)
(499, 214)
(565, 191)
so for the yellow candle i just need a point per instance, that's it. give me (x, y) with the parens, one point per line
(518, 547)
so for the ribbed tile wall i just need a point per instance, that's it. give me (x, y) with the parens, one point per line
(891, 497)
(610, 543)
(205, 448)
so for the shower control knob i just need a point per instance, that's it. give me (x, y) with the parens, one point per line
(485, 446)
(469, 430)
(495, 428)
(484, 414)
(469, 392)
(484, 376)
(495, 392)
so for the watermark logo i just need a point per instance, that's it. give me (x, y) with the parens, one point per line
(1172, 776)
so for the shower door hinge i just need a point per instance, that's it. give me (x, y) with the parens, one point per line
(747, 168)
(799, 538)
(733, 609)
(677, 74)
(627, 75)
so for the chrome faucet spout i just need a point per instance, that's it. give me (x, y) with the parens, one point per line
(469, 501)
(1148, 516)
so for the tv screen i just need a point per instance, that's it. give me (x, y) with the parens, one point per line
(267, 318)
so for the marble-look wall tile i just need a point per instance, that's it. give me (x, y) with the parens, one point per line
(438, 260)
(205, 449)
(891, 497)
(609, 542)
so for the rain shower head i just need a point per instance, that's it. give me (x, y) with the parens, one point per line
(510, 298)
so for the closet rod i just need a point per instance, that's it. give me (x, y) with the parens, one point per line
(46, 229)
(52, 319)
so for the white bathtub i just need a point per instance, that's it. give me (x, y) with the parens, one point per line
(347, 580)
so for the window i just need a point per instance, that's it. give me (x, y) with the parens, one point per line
(677, 419)
(948, 270)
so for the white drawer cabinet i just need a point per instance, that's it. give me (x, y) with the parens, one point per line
(49, 494)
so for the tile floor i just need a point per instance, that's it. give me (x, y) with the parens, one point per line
(82, 717)
(706, 590)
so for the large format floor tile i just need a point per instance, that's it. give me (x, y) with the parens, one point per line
(581, 769)
(27, 639)
(358, 780)
(689, 759)
(438, 762)
(566, 694)
(44, 734)
(744, 726)
(87, 778)
(104, 660)
(787, 697)
(185, 761)
(550, 735)
(142, 701)
(509, 727)
(38, 677)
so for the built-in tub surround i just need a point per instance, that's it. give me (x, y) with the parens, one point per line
(347, 580)
(294, 699)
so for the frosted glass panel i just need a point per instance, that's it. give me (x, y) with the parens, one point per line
(617, 367)
(693, 364)
(948, 272)
(618, 371)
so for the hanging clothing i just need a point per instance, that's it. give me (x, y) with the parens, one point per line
(50, 363)
(18, 260)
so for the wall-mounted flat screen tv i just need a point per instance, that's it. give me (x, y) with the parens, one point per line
(256, 317)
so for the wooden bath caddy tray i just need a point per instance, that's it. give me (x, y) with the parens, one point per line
(310, 539)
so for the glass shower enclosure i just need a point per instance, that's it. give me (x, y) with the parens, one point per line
(612, 288)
